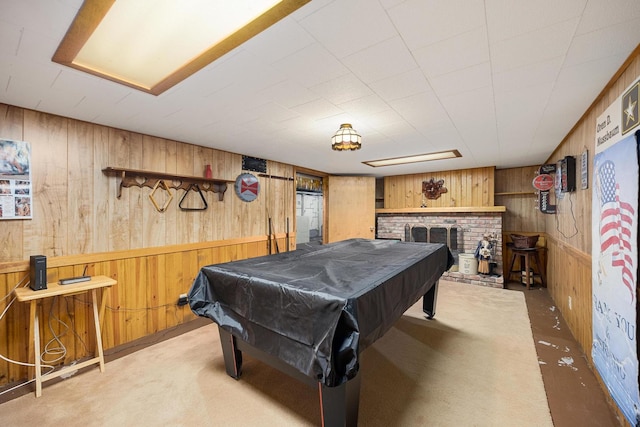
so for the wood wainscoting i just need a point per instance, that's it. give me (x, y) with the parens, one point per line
(144, 301)
(568, 272)
(569, 277)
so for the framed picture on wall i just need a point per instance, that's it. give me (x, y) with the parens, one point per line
(15, 180)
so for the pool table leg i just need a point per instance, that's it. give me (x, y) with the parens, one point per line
(339, 405)
(429, 301)
(232, 356)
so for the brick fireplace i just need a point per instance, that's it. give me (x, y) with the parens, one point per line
(460, 228)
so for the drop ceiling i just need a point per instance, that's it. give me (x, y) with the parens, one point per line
(502, 81)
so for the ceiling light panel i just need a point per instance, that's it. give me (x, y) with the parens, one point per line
(450, 154)
(152, 45)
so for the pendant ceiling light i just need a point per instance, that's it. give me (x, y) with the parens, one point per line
(346, 138)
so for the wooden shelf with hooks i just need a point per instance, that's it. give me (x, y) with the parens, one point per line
(143, 178)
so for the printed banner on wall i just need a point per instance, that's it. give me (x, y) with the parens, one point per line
(15, 180)
(615, 251)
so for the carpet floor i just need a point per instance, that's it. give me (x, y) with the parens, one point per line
(474, 364)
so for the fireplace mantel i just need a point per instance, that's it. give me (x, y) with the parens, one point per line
(452, 209)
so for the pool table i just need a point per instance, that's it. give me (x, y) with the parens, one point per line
(312, 311)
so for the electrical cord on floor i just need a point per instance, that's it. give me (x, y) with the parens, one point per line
(125, 309)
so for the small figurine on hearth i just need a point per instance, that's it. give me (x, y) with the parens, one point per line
(483, 254)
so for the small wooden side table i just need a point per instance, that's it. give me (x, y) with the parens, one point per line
(526, 256)
(55, 289)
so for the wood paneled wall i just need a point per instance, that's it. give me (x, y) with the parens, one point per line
(143, 302)
(75, 208)
(465, 187)
(569, 231)
(514, 190)
(78, 221)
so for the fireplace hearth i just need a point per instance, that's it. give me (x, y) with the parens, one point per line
(460, 231)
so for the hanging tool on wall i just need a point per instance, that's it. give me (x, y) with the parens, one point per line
(272, 231)
(273, 235)
(195, 188)
(287, 236)
(269, 235)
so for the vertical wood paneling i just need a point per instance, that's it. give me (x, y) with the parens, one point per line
(47, 231)
(186, 226)
(103, 190)
(515, 191)
(154, 223)
(80, 180)
(569, 272)
(119, 208)
(137, 199)
(466, 187)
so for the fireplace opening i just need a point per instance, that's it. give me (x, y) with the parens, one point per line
(445, 235)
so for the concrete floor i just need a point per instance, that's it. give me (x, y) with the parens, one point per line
(574, 395)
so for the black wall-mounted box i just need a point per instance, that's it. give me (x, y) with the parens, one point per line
(568, 170)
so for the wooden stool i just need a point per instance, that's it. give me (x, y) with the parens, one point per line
(526, 256)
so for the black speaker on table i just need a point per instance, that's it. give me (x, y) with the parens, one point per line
(38, 272)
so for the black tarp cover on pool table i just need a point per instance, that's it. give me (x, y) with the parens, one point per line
(316, 308)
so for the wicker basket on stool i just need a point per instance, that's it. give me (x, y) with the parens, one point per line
(524, 242)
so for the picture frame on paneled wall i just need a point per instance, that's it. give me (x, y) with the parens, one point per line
(16, 195)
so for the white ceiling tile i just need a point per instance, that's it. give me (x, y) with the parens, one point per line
(464, 112)
(444, 138)
(532, 47)
(385, 59)
(319, 108)
(507, 19)
(519, 112)
(422, 107)
(278, 41)
(401, 85)
(604, 42)
(455, 53)
(82, 85)
(311, 66)
(10, 35)
(585, 76)
(342, 89)
(530, 75)
(388, 4)
(598, 14)
(47, 18)
(362, 107)
(348, 26)
(274, 112)
(467, 79)
(381, 120)
(422, 23)
(288, 93)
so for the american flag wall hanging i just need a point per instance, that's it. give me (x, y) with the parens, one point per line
(614, 224)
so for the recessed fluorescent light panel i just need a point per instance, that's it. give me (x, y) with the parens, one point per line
(414, 159)
(152, 45)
